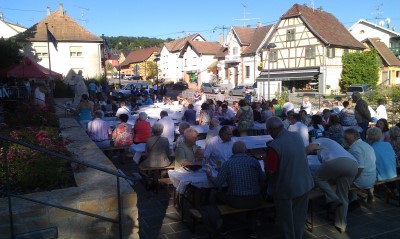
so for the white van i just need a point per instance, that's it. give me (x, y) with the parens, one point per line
(129, 89)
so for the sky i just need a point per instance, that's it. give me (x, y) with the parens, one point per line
(177, 18)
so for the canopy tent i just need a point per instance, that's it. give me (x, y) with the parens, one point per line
(287, 75)
(27, 68)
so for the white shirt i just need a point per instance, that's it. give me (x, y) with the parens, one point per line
(123, 110)
(302, 129)
(381, 112)
(329, 150)
(216, 149)
(169, 128)
(288, 106)
(39, 95)
(99, 129)
(307, 107)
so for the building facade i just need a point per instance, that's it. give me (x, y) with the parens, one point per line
(309, 44)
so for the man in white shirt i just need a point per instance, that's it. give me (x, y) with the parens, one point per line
(169, 126)
(288, 105)
(299, 127)
(339, 166)
(219, 149)
(123, 109)
(306, 105)
(381, 110)
(99, 130)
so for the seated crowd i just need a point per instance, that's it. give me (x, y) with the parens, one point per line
(350, 153)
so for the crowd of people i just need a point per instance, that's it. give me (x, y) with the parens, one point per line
(350, 151)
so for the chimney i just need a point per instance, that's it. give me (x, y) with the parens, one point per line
(222, 39)
(48, 11)
(259, 24)
(61, 9)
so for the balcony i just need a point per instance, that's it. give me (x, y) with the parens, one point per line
(232, 59)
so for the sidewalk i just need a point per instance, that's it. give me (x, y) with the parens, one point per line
(159, 219)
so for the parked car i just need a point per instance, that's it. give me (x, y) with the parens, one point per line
(128, 89)
(180, 85)
(212, 88)
(127, 76)
(137, 78)
(242, 90)
(364, 89)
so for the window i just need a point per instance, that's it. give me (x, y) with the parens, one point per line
(273, 55)
(41, 51)
(226, 72)
(310, 52)
(235, 51)
(247, 71)
(291, 34)
(75, 51)
(330, 52)
(345, 51)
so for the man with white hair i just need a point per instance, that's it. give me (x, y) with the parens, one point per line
(290, 178)
(99, 130)
(169, 126)
(306, 105)
(245, 180)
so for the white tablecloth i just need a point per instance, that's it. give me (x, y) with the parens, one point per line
(252, 142)
(181, 178)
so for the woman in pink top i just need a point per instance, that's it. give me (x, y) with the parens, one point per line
(142, 129)
(122, 136)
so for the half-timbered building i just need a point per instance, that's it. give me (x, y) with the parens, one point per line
(309, 44)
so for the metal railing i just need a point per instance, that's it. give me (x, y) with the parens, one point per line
(5, 143)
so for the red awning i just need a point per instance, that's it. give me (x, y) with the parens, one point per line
(27, 68)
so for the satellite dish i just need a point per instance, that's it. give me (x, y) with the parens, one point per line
(388, 21)
(381, 23)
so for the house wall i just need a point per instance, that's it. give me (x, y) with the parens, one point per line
(362, 31)
(170, 65)
(6, 31)
(62, 62)
(193, 62)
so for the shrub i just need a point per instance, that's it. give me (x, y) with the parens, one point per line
(30, 170)
(62, 90)
(28, 115)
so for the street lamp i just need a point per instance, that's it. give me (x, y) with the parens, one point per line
(268, 47)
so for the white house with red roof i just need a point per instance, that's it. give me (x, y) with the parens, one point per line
(77, 48)
(239, 66)
(169, 64)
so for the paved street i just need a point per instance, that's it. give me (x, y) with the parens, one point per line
(159, 218)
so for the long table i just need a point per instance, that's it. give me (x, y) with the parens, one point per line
(252, 142)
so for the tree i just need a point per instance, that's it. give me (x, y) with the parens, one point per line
(151, 69)
(360, 68)
(10, 52)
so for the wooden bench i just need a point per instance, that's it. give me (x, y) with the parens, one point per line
(226, 210)
(389, 192)
(144, 171)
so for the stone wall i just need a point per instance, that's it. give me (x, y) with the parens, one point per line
(96, 192)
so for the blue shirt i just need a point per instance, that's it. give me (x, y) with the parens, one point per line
(190, 116)
(385, 160)
(242, 174)
(366, 159)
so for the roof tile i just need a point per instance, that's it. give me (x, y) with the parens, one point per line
(324, 25)
(384, 51)
(140, 55)
(62, 26)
